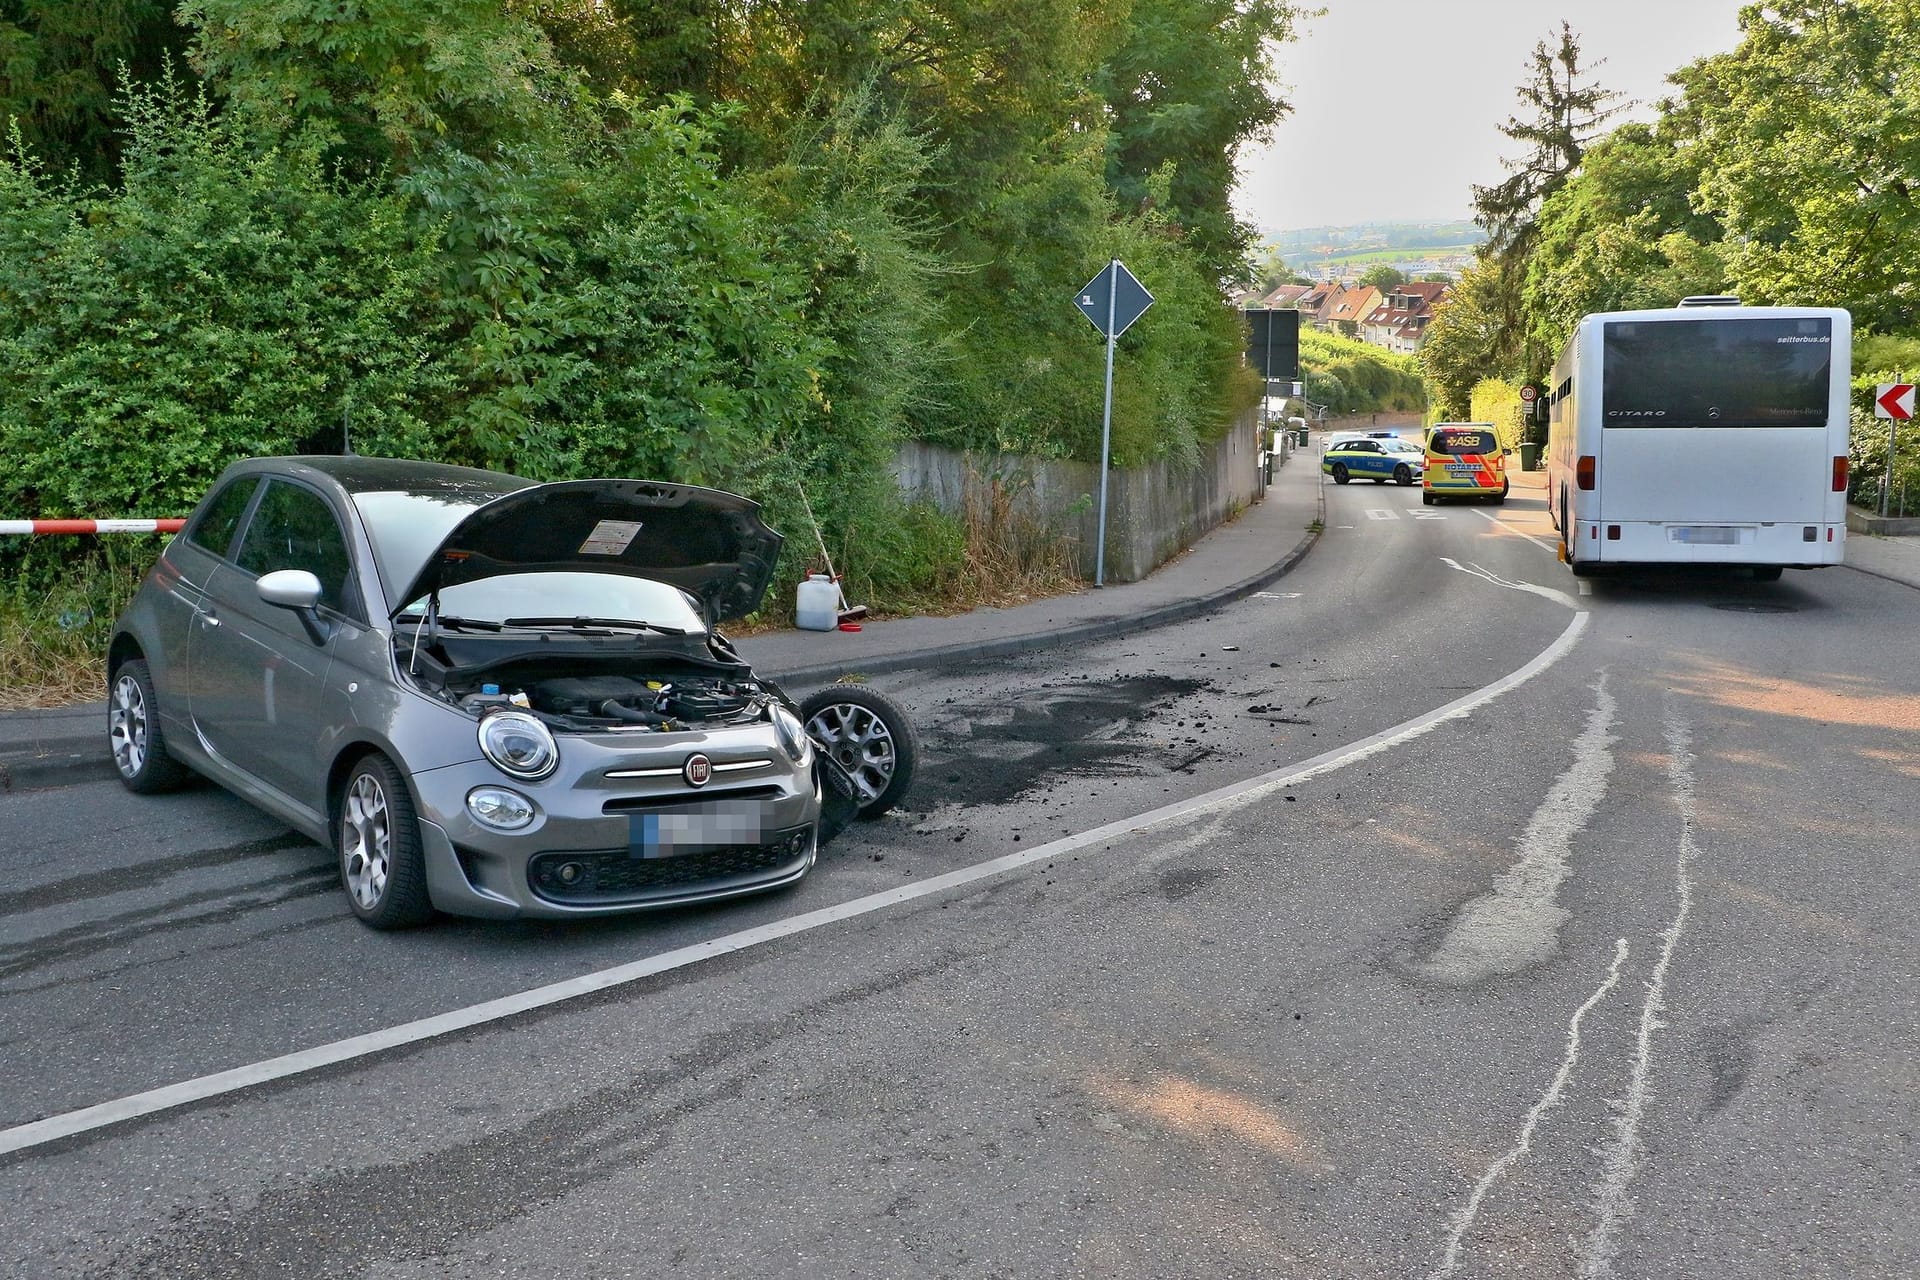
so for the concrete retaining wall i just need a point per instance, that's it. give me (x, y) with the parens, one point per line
(1398, 420)
(1860, 520)
(1153, 512)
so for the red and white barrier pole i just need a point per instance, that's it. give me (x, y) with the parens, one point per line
(90, 526)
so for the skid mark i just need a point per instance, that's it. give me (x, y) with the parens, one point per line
(1623, 1151)
(1463, 1220)
(1532, 588)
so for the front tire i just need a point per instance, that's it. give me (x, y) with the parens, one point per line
(869, 736)
(376, 835)
(1340, 475)
(1403, 475)
(133, 733)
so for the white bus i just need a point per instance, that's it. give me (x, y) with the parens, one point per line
(1707, 433)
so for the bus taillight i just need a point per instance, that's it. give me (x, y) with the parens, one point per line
(1840, 473)
(1583, 471)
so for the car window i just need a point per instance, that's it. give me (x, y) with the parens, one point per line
(293, 528)
(1457, 442)
(1363, 446)
(220, 518)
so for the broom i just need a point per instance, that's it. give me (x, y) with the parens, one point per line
(848, 613)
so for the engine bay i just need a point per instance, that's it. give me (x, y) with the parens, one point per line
(573, 683)
(621, 702)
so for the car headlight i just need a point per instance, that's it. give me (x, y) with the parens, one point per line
(792, 734)
(519, 744)
(499, 808)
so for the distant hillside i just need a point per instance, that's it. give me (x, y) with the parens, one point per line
(1329, 241)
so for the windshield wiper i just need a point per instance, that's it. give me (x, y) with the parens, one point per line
(627, 623)
(445, 620)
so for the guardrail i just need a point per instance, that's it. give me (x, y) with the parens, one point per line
(31, 527)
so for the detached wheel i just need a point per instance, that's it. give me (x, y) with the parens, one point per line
(1403, 475)
(377, 836)
(869, 736)
(1340, 475)
(133, 732)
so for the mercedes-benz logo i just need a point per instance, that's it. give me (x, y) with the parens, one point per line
(698, 770)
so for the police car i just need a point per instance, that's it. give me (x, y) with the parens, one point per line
(1377, 458)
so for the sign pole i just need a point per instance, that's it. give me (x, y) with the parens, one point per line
(1893, 427)
(1106, 429)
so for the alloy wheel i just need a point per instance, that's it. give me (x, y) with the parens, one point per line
(859, 742)
(127, 726)
(366, 840)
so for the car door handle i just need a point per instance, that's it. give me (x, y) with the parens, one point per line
(210, 618)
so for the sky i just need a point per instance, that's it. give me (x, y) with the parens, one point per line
(1397, 104)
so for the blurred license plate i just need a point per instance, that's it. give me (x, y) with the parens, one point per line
(718, 825)
(1704, 534)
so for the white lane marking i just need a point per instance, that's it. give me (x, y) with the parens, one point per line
(1426, 513)
(1586, 588)
(1382, 513)
(1513, 585)
(1613, 1206)
(167, 1097)
(1463, 1220)
(1541, 543)
(1275, 595)
(1516, 924)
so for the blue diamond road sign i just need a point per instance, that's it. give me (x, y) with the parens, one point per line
(1130, 298)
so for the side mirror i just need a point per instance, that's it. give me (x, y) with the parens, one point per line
(290, 589)
(298, 590)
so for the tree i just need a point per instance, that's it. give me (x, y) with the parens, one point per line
(1471, 336)
(1383, 277)
(393, 78)
(1567, 112)
(1809, 141)
(1190, 82)
(60, 64)
(1623, 233)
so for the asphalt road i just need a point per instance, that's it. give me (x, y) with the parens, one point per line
(1612, 974)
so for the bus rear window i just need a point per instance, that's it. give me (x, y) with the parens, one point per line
(1459, 442)
(1733, 372)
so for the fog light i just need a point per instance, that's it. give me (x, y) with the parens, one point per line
(499, 808)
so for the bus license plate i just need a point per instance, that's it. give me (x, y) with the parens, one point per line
(1704, 535)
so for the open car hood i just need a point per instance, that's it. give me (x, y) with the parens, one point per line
(710, 544)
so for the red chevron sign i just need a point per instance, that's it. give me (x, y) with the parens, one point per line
(1893, 400)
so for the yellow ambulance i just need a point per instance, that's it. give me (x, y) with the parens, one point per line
(1464, 460)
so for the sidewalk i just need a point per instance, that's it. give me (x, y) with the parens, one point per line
(68, 744)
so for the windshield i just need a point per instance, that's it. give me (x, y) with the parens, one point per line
(406, 527)
(1397, 445)
(1732, 372)
(598, 596)
(1456, 441)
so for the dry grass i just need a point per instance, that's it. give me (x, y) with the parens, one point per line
(53, 643)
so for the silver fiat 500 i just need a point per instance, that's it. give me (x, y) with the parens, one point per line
(488, 696)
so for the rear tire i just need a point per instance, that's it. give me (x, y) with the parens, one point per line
(1767, 572)
(1428, 499)
(133, 733)
(1340, 475)
(376, 835)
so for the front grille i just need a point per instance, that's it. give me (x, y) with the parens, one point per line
(658, 804)
(615, 875)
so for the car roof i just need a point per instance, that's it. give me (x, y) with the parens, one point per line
(352, 473)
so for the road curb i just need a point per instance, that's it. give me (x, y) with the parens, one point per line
(64, 769)
(76, 760)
